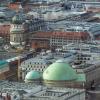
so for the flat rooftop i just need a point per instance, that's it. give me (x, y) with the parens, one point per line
(30, 91)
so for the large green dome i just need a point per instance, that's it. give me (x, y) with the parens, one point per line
(59, 70)
(32, 75)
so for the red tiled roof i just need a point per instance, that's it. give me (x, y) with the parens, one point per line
(42, 34)
(60, 34)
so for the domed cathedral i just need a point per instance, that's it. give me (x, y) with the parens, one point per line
(61, 74)
(58, 74)
(18, 32)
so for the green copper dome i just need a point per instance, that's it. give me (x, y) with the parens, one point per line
(59, 70)
(32, 75)
(17, 19)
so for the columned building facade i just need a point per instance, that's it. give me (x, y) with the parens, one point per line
(17, 32)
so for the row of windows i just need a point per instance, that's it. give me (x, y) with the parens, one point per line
(64, 40)
(34, 66)
(34, 63)
(17, 39)
(64, 35)
(51, 94)
(62, 43)
(38, 25)
(17, 26)
(83, 58)
(35, 28)
(36, 69)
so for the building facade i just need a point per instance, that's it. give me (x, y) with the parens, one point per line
(57, 39)
(35, 64)
(18, 31)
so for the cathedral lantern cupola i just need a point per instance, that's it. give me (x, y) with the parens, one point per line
(17, 31)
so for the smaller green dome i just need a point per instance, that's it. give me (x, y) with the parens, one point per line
(17, 19)
(32, 75)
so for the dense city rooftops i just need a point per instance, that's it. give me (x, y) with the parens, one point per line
(30, 91)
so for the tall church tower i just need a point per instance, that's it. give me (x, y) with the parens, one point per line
(17, 32)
